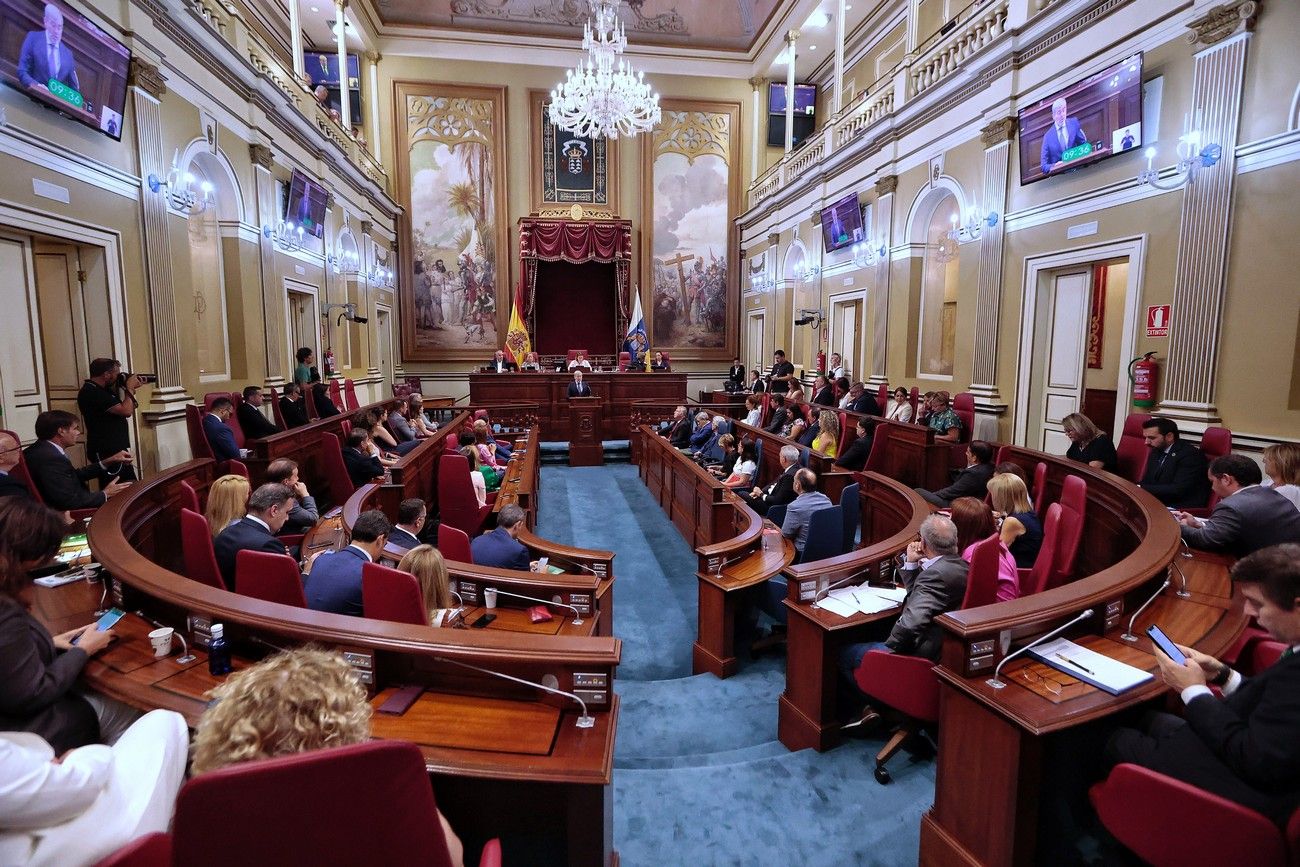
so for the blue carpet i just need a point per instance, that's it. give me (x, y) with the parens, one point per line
(699, 776)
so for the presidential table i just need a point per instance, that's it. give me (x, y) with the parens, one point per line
(550, 391)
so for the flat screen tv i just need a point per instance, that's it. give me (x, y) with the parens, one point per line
(805, 107)
(1081, 125)
(842, 223)
(60, 59)
(322, 67)
(306, 204)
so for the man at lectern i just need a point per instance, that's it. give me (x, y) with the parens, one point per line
(578, 388)
(501, 364)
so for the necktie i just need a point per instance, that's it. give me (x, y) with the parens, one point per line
(54, 61)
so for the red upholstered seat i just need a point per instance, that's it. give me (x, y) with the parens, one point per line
(964, 405)
(196, 550)
(151, 850)
(1215, 443)
(350, 396)
(190, 498)
(276, 414)
(876, 457)
(236, 468)
(269, 577)
(848, 431)
(573, 353)
(914, 398)
(390, 594)
(624, 361)
(211, 396)
(453, 544)
(457, 505)
(982, 578)
(365, 804)
(667, 358)
(1074, 506)
(199, 445)
(309, 401)
(336, 472)
(336, 397)
(1169, 823)
(236, 400)
(1131, 452)
(1039, 491)
(1039, 578)
(882, 397)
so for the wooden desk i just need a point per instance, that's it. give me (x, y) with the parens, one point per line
(585, 437)
(692, 497)
(831, 480)
(616, 391)
(520, 481)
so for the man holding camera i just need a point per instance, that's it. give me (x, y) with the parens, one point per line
(107, 401)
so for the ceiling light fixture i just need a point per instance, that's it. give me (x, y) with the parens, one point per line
(602, 96)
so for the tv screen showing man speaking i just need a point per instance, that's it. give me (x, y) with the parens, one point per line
(1083, 124)
(60, 59)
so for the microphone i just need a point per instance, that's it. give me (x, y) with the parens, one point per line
(585, 721)
(998, 683)
(186, 656)
(1128, 633)
(586, 568)
(262, 641)
(577, 615)
(1182, 592)
(820, 594)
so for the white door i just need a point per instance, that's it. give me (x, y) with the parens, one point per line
(384, 345)
(848, 319)
(1064, 332)
(22, 362)
(302, 321)
(754, 341)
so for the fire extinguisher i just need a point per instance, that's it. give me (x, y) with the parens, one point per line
(329, 363)
(1144, 373)
(821, 361)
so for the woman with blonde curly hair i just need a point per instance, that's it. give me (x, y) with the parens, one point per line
(1282, 470)
(426, 564)
(292, 702)
(827, 440)
(227, 502)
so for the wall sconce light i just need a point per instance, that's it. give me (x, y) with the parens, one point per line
(810, 273)
(178, 188)
(347, 263)
(286, 235)
(973, 227)
(1192, 157)
(865, 254)
(380, 276)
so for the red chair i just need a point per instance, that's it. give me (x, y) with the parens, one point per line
(335, 396)
(908, 685)
(309, 401)
(237, 400)
(276, 413)
(1074, 505)
(1215, 443)
(391, 594)
(350, 396)
(336, 472)
(237, 468)
(457, 505)
(1131, 451)
(196, 550)
(765, 409)
(1169, 823)
(848, 431)
(1039, 578)
(269, 577)
(624, 361)
(882, 397)
(453, 544)
(369, 803)
(982, 577)
(190, 498)
(151, 850)
(573, 353)
(876, 457)
(668, 362)
(1039, 491)
(964, 405)
(211, 396)
(199, 445)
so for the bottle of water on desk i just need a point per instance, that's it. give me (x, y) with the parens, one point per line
(218, 652)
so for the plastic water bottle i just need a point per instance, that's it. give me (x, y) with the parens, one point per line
(218, 652)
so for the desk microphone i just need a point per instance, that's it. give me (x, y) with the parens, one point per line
(820, 594)
(577, 615)
(586, 568)
(460, 605)
(1128, 633)
(185, 656)
(585, 721)
(998, 683)
(1182, 592)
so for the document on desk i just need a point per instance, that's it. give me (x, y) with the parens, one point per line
(847, 601)
(1089, 666)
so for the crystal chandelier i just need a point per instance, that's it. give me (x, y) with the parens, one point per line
(603, 96)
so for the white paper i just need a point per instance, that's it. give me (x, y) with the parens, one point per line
(837, 606)
(1089, 666)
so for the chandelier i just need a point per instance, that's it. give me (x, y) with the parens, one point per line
(603, 96)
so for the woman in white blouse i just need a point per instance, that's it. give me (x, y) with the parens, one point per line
(899, 408)
(746, 469)
(1282, 470)
(475, 474)
(580, 360)
(755, 412)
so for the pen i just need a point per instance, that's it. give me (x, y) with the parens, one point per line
(1068, 660)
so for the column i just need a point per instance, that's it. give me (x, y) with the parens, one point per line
(273, 294)
(756, 132)
(879, 302)
(340, 34)
(838, 94)
(996, 138)
(791, 40)
(368, 255)
(373, 57)
(167, 399)
(1200, 271)
(295, 35)
(913, 25)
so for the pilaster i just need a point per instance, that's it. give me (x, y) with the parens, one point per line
(996, 138)
(272, 291)
(879, 301)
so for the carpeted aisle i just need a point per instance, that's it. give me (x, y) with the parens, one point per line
(700, 777)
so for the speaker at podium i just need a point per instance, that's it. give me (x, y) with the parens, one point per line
(586, 448)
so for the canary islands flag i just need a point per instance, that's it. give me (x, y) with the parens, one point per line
(637, 341)
(517, 345)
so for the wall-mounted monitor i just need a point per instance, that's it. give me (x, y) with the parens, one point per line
(306, 204)
(322, 67)
(60, 59)
(842, 223)
(1083, 124)
(805, 108)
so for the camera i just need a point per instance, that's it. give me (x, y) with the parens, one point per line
(145, 378)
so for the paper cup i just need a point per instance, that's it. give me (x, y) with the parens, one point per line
(489, 598)
(161, 639)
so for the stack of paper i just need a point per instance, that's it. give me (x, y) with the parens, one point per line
(847, 601)
(1089, 666)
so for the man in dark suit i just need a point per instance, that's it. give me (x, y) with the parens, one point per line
(780, 416)
(334, 583)
(10, 449)
(501, 547)
(862, 401)
(362, 463)
(679, 433)
(1063, 134)
(823, 392)
(1244, 746)
(934, 575)
(855, 456)
(779, 492)
(737, 373)
(411, 515)
(62, 486)
(501, 364)
(292, 406)
(220, 437)
(44, 57)
(1247, 517)
(268, 508)
(255, 424)
(1175, 473)
(970, 482)
(578, 388)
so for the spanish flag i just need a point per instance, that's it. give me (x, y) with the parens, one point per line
(517, 345)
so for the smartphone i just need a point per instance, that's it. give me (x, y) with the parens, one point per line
(483, 621)
(400, 701)
(1162, 641)
(108, 621)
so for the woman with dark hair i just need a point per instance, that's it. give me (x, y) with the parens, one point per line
(975, 523)
(38, 671)
(302, 372)
(320, 397)
(744, 473)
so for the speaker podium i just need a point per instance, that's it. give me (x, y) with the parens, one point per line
(586, 448)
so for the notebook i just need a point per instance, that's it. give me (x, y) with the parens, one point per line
(1089, 666)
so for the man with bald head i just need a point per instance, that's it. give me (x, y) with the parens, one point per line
(1063, 134)
(9, 452)
(44, 57)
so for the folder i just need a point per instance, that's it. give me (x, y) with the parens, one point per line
(1091, 667)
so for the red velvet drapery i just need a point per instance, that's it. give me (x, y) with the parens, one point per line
(576, 242)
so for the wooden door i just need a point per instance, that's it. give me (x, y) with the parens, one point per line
(1064, 330)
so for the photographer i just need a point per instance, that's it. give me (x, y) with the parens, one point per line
(107, 401)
